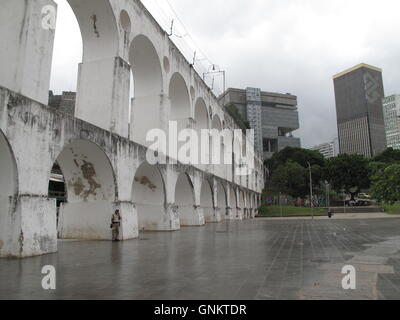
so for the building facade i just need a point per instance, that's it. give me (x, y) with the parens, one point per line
(273, 116)
(64, 103)
(329, 149)
(359, 92)
(391, 111)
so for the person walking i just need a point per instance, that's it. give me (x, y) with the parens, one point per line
(115, 225)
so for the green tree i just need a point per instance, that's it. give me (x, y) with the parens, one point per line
(289, 171)
(348, 172)
(290, 178)
(389, 156)
(297, 155)
(386, 184)
(375, 167)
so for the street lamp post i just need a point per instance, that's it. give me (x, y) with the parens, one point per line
(328, 202)
(311, 192)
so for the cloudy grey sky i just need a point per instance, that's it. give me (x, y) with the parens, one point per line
(278, 45)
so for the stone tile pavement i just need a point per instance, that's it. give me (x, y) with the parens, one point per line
(253, 260)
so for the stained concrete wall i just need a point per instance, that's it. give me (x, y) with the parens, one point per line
(26, 48)
(149, 198)
(90, 185)
(86, 221)
(100, 173)
(8, 190)
(189, 213)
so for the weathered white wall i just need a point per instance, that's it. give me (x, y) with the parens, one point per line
(207, 202)
(26, 48)
(99, 173)
(8, 190)
(189, 214)
(149, 199)
(221, 199)
(90, 188)
(234, 204)
(86, 220)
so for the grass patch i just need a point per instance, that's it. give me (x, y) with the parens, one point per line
(392, 209)
(288, 211)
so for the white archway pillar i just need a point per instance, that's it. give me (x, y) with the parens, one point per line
(26, 50)
(103, 94)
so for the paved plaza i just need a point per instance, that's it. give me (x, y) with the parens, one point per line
(260, 259)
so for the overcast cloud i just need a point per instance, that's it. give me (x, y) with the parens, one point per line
(282, 46)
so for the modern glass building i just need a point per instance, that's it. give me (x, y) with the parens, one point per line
(273, 116)
(391, 111)
(359, 93)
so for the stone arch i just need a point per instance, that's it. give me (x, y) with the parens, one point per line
(98, 27)
(102, 32)
(222, 200)
(146, 67)
(207, 201)
(247, 205)
(201, 115)
(217, 147)
(91, 192)
(185, 200)
(233, 202)
(202, 123)
(147, 81)
(241, 204)
(180, 99)
(216, 123)
(8, 191)
(180, 102)
(149, 197)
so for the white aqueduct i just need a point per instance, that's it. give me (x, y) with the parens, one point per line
(101, 153)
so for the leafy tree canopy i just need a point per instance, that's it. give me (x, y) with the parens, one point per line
(290, 178)
(348, 172)
(297, 155)
(389, 156)
(386, 184)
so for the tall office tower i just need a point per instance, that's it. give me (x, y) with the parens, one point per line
(359, 93)
(391, 111)
(273, 116)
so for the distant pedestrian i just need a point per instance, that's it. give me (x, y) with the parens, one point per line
(115, 225)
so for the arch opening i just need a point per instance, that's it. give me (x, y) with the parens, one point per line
(247, 206)
(201, 115)
(185, 200)
(57, 188)
(87, 203)
(207, 202)
(149, 198)
(180, 100)
(241, 204)
(103, 103)
(8, 191)
(218, 148)
(146, 88)
(222, 202)
(64, 68)
(233, 203)
(202, 123)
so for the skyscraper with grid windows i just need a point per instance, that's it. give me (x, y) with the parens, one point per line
(391, 111)
(359, 93)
